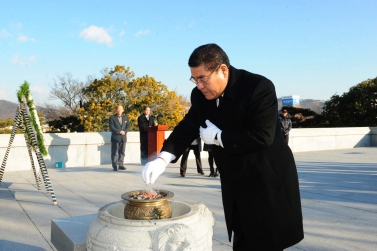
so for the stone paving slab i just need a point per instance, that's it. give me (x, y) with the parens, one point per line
(338, 190)
(19, 233)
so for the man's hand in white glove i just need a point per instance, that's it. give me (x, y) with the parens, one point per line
(208, 134)
(152, 170)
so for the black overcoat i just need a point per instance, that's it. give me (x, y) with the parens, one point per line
(143, 123)
(116, 127)
(257, 167)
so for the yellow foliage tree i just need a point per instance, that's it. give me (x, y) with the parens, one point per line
(118, 87)
(102, 97)
(166, 105)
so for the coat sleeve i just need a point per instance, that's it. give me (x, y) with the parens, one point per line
(184, 133)
(142, 123)
(289, 124)
(113, 129)
(151, 121)
(258, 123)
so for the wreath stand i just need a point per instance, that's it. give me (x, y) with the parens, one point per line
(22, 120)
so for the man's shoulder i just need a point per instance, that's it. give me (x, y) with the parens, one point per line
(257, 78)
(243, 80)
(247, 74)
(141, 117)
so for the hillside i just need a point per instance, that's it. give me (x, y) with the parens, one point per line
(312, 104)
(7, 109)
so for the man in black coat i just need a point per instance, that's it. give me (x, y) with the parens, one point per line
(119, 125)
(285, 123)
(236, 112)
(144, 120)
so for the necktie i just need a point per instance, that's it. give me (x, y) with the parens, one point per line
(120, 120)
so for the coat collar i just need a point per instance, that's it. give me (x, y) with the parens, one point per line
(116, 117)
(232, 86)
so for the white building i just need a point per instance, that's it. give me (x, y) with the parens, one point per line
(293, 100)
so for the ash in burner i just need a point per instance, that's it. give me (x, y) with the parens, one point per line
(148, 195)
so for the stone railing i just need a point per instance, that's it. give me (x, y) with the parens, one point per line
(320, 139)
(91, 149)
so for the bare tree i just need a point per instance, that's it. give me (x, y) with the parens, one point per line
(53, 112)
(69, 91)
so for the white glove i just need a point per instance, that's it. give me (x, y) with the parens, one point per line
(152, 170)
(208, 134)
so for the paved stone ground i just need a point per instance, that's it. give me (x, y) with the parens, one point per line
(338, 190)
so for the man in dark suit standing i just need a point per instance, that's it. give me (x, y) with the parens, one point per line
(119, 125)
(196, 146)
(236, 112)
(144, 120)
(286, 124)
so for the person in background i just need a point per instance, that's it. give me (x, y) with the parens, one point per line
(285, 123)
(119, 125)
(144, 120)
(236, 112)
(196, 145)
(210, 161)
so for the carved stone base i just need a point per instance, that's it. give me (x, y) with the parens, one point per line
(189, 228)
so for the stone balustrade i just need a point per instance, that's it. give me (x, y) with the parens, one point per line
(320, 139)
(90, 149)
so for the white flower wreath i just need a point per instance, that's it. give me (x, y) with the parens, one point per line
(24, 96)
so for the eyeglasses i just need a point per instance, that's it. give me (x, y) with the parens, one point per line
(203, 80)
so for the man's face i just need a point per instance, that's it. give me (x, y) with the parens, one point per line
(211, 83)
(147, 111)
(285, 114)
(119, 110)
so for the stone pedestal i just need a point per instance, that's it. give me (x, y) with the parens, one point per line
(189, 228)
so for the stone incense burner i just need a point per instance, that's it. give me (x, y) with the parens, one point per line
(140, 207)
(151, 225)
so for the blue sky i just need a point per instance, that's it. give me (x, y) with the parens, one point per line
(313, 49)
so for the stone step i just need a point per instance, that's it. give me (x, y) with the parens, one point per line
(69, 234)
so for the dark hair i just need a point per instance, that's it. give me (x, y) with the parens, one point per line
(211, 55)
(145, 107)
